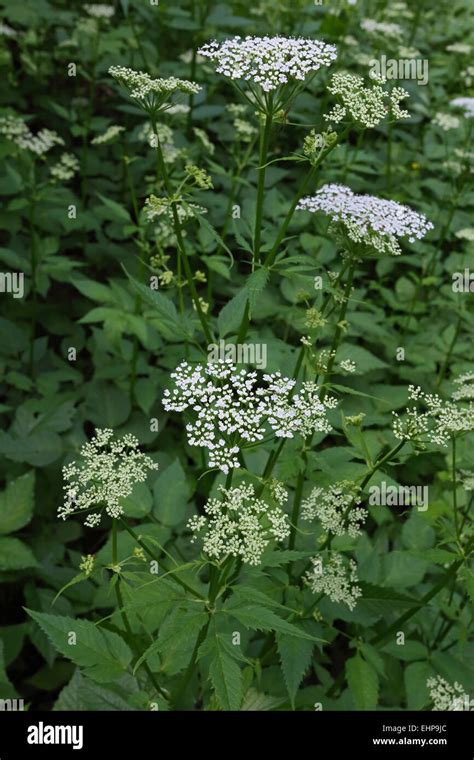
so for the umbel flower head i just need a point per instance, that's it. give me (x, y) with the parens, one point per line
(240, 525)
(155, 206)
(269, 62)
(66, 168)
(334, 577)
(107, 470)
(337, 508)
(446, 697)
(373, 222)
(440, 420)
(153, 95)
(366, 106)
(233, 408)
(466, 105)
(18, 132)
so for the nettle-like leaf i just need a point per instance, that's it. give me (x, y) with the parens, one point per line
(103, 654)
(176, 635)
(224, 670)
(295, 658)
(363, 683)
(258, 618)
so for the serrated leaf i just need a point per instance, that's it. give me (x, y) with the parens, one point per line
(363, 683)
(230, 316)
(278, 558)
(116, 212)
(255, 284)
(225, 675)
(103, 654)
(295, 657)
(263, 619)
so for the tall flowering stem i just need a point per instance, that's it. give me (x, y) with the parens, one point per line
(454, 486)
(123, 614)
(179, 235)
(307, 444)
(264, 144)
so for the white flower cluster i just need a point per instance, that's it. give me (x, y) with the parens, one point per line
(18, 132)
(459, 47)
(465, 391)
(151, 94)
(467, 233)
(233, 408)
(466, 105)
(239, 525)
(441, 420)
(269, 61)
(108, 471)
(348, 366)
(245, 131)
(382, 28)
(6, 30)
(375, 222)
(467, 480)
(334, 578)
(99, 10)
(155, 206)
(110, 134)
(446, 697)
(66, 168)
(337, 508)
(367, 106)
(446, 121)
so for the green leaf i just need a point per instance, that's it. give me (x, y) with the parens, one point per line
(180, 628)
(7, 690)
(116, 212)
(171, 492)
(107, 405)
(82, 694)
(96, 291)
(102, 653)
(415, 677)
(363, 683)
(15, 555)
(263, 619)
(255, 284)
(224, 671)
(230, 316)
(16, 503)
(295, 657)
(278, 558)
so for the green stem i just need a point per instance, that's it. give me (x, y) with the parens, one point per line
(454, 486)
(34, 265)
(161, 562)
(123, 614)
(338, 332)
(179, 236)
(264, 143)
(445, 364)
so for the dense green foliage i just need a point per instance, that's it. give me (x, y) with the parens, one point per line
(123, 281)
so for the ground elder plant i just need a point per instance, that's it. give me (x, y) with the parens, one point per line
(236, 282)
